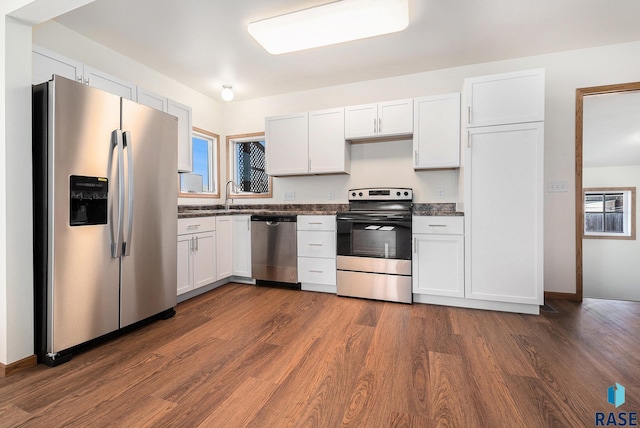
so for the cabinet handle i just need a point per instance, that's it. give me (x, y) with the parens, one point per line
(191, 246)
(379, 125)
(437, 225)
(193, 226)
(315, 245)
(309, 167)
(87, 81)
(79, 79)
(468, 139)
(197, 246)
(415, 157)
(249, 223)
(375, 125)
(469, 114)
(415, 244)
(315, 271)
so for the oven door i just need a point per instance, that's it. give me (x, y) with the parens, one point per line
(374, 235)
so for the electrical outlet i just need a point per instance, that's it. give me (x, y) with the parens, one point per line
(440, 193)
(289, 196)
(330, 195)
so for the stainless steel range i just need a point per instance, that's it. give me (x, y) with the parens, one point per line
(374, 245)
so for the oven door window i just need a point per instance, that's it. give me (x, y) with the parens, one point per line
(381, 240)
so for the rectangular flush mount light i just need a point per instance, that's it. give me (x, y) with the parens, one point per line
(328, 24)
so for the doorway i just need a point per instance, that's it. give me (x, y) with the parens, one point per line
(607, 174)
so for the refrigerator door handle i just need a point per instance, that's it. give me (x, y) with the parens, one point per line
(126, 247)
(116, 232)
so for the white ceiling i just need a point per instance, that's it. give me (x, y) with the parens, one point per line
(204, 43)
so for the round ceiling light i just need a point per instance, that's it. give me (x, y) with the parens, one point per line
(227, 92)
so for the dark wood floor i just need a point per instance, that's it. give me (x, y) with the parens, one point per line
(248, 356)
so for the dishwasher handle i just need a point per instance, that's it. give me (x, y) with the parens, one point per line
(272, 223)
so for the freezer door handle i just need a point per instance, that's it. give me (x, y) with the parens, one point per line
(127, 142)
(116, 232)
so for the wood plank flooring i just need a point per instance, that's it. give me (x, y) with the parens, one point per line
(247, 356)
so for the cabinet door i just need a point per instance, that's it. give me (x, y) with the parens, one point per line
(204, 259)
(185, 267)
(287, 144)
(106, 82)
(438, 265)
(47, 63)
(505, 98)
(504, 213)
(224, 252)
(241, 245)
(328, 150)
(436, 132)
(183, 113)
(361, 121)
(153, 100)
(395, 118)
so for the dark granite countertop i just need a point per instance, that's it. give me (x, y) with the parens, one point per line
(189, 211)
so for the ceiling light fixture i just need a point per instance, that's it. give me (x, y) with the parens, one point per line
(328, 24)
(227, 92)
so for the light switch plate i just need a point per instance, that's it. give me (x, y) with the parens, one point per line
(557, 186)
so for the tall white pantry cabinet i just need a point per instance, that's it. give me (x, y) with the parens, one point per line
(503, 193)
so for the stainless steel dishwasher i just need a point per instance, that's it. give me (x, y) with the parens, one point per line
(274, 255)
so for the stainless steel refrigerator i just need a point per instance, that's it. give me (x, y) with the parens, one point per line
(105, 210)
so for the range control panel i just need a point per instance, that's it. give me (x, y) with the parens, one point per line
(381, 194)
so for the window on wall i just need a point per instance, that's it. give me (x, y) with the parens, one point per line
(246, 169)
(609, 213)
(203, 180)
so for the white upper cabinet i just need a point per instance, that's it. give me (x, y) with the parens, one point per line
(328, 150)
(47, 63)
(153, 100)
(307, 143)
(436, 132)
(505, 98)
(106, 82)
(387, 119)
(183, 113)
(287, 144)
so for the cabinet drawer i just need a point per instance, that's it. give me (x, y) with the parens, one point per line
(316, 244)
(439, 225)
(317, 271)
(316, 222)
(196, 224)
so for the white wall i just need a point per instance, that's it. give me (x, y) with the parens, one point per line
(610, 266)
(390, 163)
(565, 72)
(207, 113)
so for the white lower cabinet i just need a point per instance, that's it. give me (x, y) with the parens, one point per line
(241, 246)
(224, 242)
(196, 253)
(316, 240)
(438, 256)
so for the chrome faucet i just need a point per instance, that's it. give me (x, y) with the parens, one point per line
(234, 188)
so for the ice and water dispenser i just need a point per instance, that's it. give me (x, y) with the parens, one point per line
(88, 196)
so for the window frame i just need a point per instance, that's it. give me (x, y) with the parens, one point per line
(214, 165)
(232, 140)
(629, 195)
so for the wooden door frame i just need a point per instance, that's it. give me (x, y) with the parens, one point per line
(580, 94)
